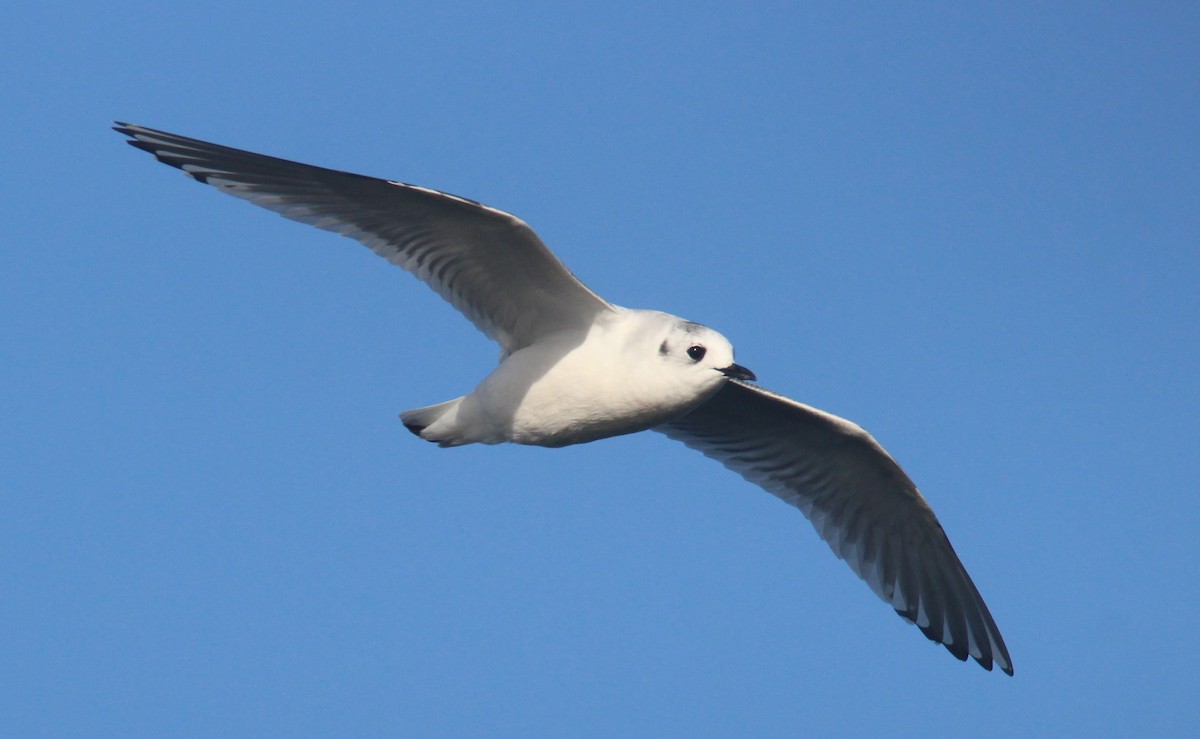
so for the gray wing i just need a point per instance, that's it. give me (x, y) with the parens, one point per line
(487, 263)
(860, 501)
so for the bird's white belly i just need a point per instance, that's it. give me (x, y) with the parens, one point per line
(567, 393)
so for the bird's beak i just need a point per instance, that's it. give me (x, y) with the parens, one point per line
(738, 372)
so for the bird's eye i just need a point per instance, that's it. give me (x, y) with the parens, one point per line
(696, 352)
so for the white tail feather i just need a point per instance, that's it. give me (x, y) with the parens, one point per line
(426, 422)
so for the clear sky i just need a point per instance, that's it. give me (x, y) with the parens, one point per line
(973, 231)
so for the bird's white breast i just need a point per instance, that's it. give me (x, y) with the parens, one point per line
(582, 386)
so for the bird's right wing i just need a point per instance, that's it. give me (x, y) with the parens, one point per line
(487, 263)
(860, 501)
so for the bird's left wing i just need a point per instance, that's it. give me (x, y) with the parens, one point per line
(487, 263)
(860, 501)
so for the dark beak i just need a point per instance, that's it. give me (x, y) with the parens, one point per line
(738, 372)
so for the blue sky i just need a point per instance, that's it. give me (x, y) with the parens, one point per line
(972, 230)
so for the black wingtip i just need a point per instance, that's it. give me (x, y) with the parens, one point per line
(130, 130)
(156, 149)
(958, 652)
(125, 129)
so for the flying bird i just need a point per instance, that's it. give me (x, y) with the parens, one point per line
(575, 368)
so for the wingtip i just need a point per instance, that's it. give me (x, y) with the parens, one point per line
(1005, 664)
(131, 131)
(987, 661)
(1005, 667)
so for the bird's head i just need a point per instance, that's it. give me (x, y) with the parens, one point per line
(699, 352)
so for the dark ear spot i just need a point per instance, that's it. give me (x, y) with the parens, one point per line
(662, 348)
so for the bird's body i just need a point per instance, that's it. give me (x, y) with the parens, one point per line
(576, 386)
(575, 368)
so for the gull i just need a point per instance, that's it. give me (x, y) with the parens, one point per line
(575, 368)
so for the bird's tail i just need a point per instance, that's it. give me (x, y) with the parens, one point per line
(434, 423)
